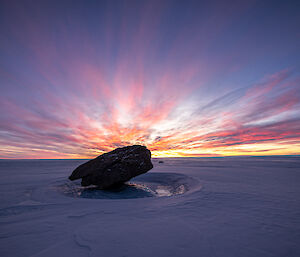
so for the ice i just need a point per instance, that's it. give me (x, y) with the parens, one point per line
(239, 206)
(146, 185)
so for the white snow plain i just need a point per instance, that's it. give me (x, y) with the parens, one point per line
(184, 207)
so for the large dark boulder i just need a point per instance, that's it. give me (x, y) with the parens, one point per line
(115, 167)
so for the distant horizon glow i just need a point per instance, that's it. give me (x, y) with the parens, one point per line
(185, 79)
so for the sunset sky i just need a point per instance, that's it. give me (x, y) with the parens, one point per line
(184, 78)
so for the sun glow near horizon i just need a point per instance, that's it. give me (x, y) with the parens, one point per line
(81, 80)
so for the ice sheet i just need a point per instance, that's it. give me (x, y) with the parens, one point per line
(241, 206)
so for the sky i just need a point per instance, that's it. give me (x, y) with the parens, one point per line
(185, 78)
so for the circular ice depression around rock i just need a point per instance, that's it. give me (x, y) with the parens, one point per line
(146, 185)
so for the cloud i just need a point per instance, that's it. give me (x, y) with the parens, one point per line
(73, 85)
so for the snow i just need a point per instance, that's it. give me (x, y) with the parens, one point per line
(238, 206)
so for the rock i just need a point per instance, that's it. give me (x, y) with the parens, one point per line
(115, 167)
(161, 162)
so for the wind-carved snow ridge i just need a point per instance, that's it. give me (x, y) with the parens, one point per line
(147, 185)
(81, 243)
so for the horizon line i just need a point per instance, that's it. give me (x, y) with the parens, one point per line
(156, 157)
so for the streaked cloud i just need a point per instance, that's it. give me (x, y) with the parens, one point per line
(76, 83)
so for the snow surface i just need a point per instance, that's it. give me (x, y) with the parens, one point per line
(239, 206)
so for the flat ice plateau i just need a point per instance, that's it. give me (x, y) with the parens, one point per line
(185, 207)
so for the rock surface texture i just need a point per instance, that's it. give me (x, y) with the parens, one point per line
(115, 167)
